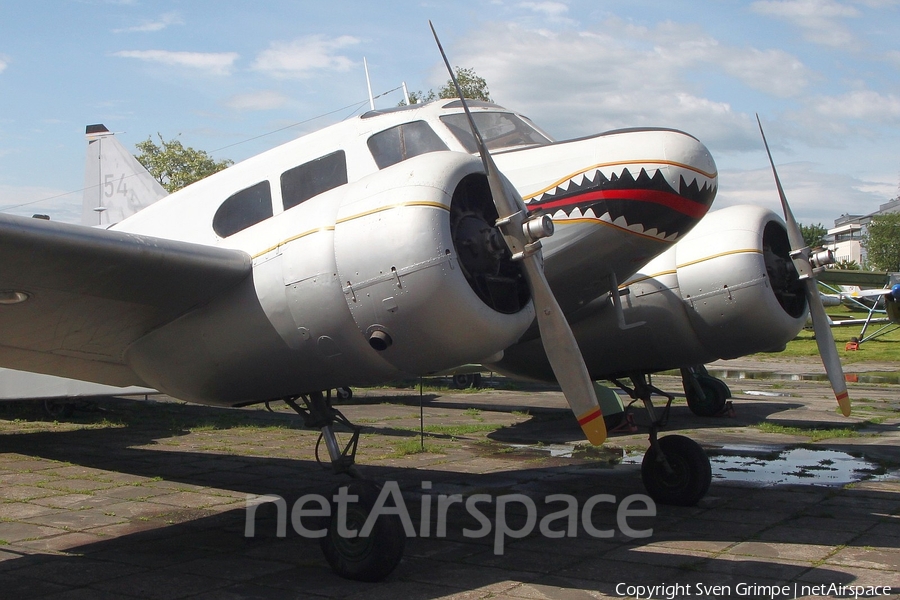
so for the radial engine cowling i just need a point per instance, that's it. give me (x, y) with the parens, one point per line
(739, 286)
(727, 289)
(427, 278)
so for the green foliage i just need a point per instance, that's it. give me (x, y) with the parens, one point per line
(473, 87)
(847, 265)
(882, 242)
(175, 166)
(814, 235)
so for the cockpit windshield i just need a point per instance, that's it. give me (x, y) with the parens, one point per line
(499, 130)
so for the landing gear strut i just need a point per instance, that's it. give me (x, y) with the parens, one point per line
(675, 469)
(369, 558)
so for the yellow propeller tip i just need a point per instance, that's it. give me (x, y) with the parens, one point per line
(594, 426)
(844, 403)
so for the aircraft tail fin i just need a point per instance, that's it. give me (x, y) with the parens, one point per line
(116, 185)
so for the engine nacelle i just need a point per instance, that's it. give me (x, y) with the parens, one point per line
(427, 279)
(401, 272)
(738, 285)
(727, 289)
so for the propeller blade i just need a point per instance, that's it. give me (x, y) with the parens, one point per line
(795, 235)
(827, 350)
(800, 254)
(556, 335)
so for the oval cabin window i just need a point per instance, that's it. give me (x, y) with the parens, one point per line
(243, 209)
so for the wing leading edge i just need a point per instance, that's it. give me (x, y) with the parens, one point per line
(90, 293)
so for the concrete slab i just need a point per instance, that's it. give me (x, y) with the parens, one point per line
(154, 507)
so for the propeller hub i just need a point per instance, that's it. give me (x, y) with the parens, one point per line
(538, 227)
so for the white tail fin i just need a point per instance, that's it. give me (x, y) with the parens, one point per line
(116, 185)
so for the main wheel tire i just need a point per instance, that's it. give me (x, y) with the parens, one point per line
(58, 410)
(343, 393)
(690, 474)
(715, 395)
(462, 381)
(369, 558)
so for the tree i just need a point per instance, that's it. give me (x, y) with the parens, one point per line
(473, 88)
(847, 265)
(813, 235)
(882, 242)
(175, 166)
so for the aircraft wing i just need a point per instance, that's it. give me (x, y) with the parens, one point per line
(868, 293)
(89, 293)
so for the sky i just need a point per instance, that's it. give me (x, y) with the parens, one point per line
(236, 78)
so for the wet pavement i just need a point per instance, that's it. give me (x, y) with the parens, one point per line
(134, 499)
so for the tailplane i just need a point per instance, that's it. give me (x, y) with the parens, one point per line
(116, 185)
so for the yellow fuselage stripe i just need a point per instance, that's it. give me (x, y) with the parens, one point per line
(688, 264)
(350, 218)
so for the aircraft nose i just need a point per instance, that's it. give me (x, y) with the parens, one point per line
(895, 291)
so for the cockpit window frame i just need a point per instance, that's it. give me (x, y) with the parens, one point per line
(458, 125)
(413, 138)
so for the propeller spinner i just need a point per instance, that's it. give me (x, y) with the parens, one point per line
(805, 261)
(522, 236)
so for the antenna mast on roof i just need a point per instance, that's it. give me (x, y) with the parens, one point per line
(369, 85)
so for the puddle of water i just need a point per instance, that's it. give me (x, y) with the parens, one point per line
(756, 464)
(601, 453)
(775, 376)
(807, 466)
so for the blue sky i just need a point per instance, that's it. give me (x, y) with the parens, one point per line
(824, 76)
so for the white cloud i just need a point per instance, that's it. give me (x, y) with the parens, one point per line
(551, 9)
(836, 121)
(4, 62)
(28, 200)
(815, 196)
(820, 20)
(303, 57)
(159, 24)
(625, 76)
(262, 100)
(214, 63)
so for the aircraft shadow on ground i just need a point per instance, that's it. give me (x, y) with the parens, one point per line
(195, 547)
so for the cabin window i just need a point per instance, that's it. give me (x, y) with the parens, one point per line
(499, 130)
(243, 209)
(313, 178)
(404, 141)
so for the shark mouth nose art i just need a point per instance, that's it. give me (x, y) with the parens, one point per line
(646, 205)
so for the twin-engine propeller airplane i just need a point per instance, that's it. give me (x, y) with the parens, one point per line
(380, 247)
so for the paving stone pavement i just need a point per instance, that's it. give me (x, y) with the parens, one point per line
(147, 499)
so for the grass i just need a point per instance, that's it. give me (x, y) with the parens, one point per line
(880, 349)
(459, 429)
(413, 446)
(815, 434)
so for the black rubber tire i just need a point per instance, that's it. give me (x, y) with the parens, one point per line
(369, 558)
(462, 381)
(691, 472)
(716, 394)
(58, 410)
(343, 393)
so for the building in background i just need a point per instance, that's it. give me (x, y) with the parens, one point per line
(845, 238)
